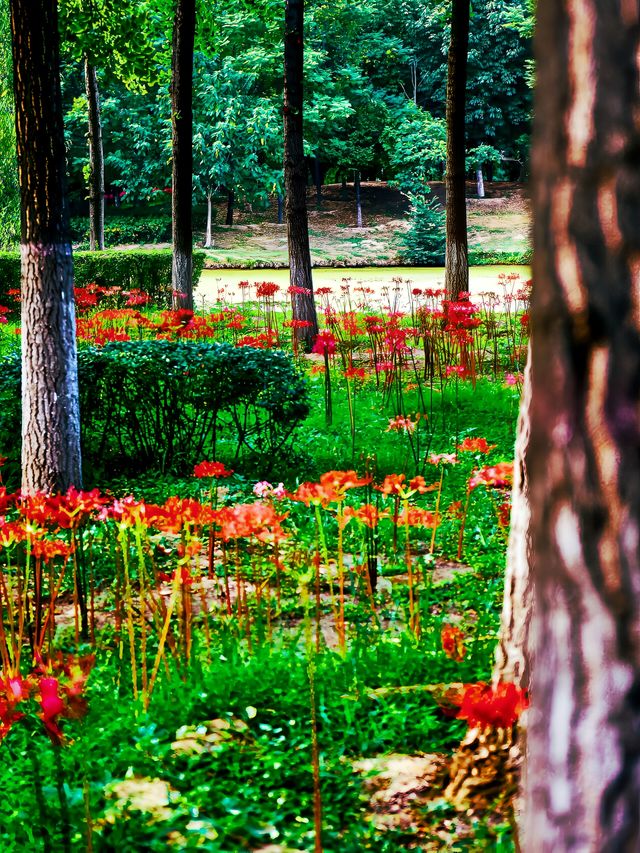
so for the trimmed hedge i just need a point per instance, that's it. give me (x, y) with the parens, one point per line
(166, 405)
(142, 269)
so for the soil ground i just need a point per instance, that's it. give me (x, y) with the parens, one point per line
(498, 225)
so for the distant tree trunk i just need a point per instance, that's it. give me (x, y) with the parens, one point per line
(231, 200)
(456, 277)
(50, 411)
(317, 169)
(583, 760)
(356, 184)
(96, 160)
(280, 209)
(208, 237)
(343, 188)
(480, 181)
(184, 26)
(295, 175)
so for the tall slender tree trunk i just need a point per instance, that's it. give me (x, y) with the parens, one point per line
(583, 761)
(208, 237)
(356, 184)
(231, 199)
(480, 180)
(184, 27)
(295, 175)
(50, 410)
(96, 159)
(456, 277)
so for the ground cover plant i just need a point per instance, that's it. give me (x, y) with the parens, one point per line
(202, 658)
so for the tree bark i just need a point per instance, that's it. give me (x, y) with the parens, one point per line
(231, 198)
(50, 410)
(583, 764)
(96, 159)
(512, 660)
(456, 277)
(184, 27)
(356, 184)
(480, 180)
(208, 237)
(295, 176)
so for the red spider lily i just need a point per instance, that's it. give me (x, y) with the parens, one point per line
(12, 532)
(320, 291)
(13, 690)
(452, 639)
(459, 370)
(443, 459)
(137, 297)
(325, 343)
(61, 687)
(298, 324)
(395, 484)
(341, 481)
(312, 494)
(354, 373)
(47, 549)
(499, 707)
(85, 298)
(498, 476)
(212, 469)
(405, 424)
(258, 519)
(184, 575)
(413, 516)
(68, 511)
(263, 340)
(368, 514)
(504, 513)
(266, 289)
(318, 368)
(475, 445)
(303, 291)
(177, 514)
(7, 499)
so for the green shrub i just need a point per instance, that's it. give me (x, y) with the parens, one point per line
(119, 230)
(141, 269)
(424, 242)
(167, 405)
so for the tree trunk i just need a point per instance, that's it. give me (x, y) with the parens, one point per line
(318, 180)
(583, 763)
(295, 176)
(480, 181)
(456, 277)
(96, 159)
(181, 139)
(356, 183)
(512, 662)
(231, 200)
(208, 237)
(50, 411)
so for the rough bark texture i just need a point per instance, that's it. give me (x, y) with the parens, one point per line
(295, 175)
(456, 277)
(583, 776)
(512, 663)
(50, 416)
(184, 28)
(96, 159)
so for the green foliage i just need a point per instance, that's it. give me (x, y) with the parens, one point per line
(133, 269)
(9, 192)
(119, 230)
(424, 242)
(166, 406)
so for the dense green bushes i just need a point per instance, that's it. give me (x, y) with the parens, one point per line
(166, 405)
(120, 230)
(135, 269)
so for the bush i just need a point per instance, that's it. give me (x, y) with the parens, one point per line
(425, 241)
(125, 229)
(141, 269)
(167, 405)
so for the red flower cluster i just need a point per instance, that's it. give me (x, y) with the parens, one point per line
(498, 476)
(212, 469)
(497, 707)
(475, 445)
(452, 639)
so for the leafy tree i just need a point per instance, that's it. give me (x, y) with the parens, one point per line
(50, 416)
